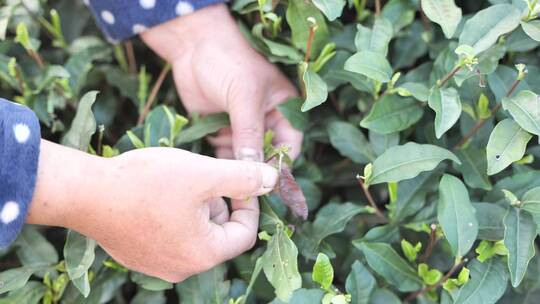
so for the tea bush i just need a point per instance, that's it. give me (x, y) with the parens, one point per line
(419, 163)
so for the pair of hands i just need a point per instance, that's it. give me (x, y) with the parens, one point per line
(160, 211)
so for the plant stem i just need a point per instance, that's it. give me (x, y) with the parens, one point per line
(132, 61)
(431, 243)
(153, 93)
(449, 76)
(377, 8)
(422, 291)
(425, 20)
(311, 37)
(483, 121)
(372, 201)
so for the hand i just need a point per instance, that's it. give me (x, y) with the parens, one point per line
(216, 70)
(157, 210)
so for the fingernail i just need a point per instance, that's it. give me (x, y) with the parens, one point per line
(249, 154)
(269, 178)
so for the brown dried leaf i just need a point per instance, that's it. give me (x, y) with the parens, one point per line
(291, 194)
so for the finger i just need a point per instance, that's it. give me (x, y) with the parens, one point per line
(225, 153)
(219, 211)
(240, 233)
(234, 178)
(284, 132)
(247, 123)
(222, 139)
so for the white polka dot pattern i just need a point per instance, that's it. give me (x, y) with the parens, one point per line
(108, 17)
(9, 213)
(147, 4)
(184, 8)
(21, 132)
(138, 28)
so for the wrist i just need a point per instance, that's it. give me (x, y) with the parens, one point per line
(178, 37)
(68, 185)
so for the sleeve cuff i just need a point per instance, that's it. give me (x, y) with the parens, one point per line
(121, 19)
(20, 140)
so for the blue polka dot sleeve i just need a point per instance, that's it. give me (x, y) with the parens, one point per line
(19, 154)
(121, 19)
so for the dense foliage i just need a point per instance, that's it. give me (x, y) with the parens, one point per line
(419, 162)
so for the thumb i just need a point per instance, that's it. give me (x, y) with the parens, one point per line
(239, 179)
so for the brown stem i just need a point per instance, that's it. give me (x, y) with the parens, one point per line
(153, 93)
(37, 58)
(425, 20)
(377, 8)
(449, 76)
(311, 37)
(372, 201)
(483, 121)
(422, 291)
(132, 61)
(431, 243)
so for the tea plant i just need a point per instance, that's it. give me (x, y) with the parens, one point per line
(418, 168)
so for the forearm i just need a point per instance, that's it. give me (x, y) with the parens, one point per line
(68, 182)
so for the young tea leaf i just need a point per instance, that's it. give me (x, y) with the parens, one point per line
(323, 272)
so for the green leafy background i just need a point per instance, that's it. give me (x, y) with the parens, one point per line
(419, 162)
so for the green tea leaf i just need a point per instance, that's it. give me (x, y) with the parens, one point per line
(31, 293)
(15, 278)
(484, 28)
(456, 215)
(370, 64)
(350, 142)
(525, 109)
(447, 106)
(376, 39)
(519, 235)
(297, 16)
(150, 283)
(443, 12)
(79, 254)
(531, 201)
(532, 29)
(323, 272)
(391, 114)
(316, 89)
(407, 161)
(34, 249)
(490, 221)
(474, 167)
(360, 283)
(208, 287)
(202, 127)
(506, 145)
(331, 8)
(280, 265)
(393, 268)
(83, 125)
(487, 284)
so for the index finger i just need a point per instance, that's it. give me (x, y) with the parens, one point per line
(239, 234)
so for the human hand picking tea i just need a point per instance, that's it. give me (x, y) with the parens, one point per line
(160, 211)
